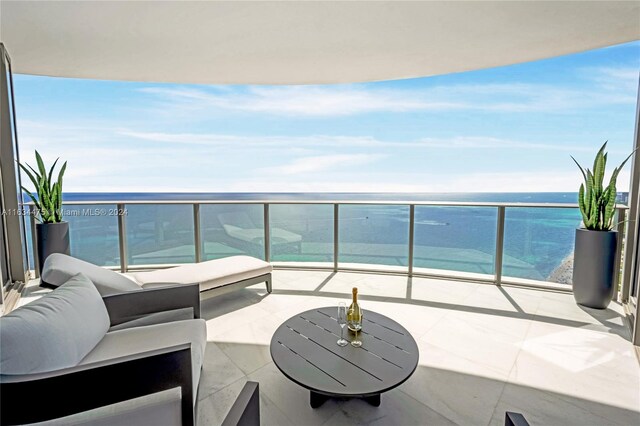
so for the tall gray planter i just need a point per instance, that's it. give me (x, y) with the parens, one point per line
(593, 267)
(51, 238)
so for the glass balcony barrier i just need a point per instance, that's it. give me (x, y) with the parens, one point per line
(500, 243)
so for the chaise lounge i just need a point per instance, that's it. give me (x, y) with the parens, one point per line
(214, 276)
(240, 230)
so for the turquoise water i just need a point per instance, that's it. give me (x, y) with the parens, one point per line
(461, 239)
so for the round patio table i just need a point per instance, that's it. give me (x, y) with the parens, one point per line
(304, 348)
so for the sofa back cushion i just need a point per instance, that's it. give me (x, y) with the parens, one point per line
(53, 332)
(58, 268)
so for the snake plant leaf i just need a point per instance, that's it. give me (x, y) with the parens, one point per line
(41, 167)
(33, 198)
(51, 171)
(598, 173)
(31, 176)
(45, 202)
(584, 175)
(598, 204)
(616, 171)
(593, 218)
(61, 174)
(48, 200)
(55, 201)
(589, 192)
(582, 205)
(36, 174)
(599, 154)
(610, 206)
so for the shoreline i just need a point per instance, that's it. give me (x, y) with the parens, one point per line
(563, 274)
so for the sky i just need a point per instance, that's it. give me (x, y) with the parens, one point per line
(505, 129)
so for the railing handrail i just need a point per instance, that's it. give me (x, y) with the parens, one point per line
(499, 206)
(332, 202)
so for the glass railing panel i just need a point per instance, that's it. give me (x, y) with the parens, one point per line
(93, 233)
(231, 229)
(159, 234)
(539, 243)
(374, 235)
(460, 239)
(301, 233)
(29, 236)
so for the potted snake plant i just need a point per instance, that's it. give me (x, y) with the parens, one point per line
(52, 233)
(596, 241)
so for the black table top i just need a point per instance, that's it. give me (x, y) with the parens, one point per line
(304, 348)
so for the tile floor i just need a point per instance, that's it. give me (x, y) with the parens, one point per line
(484, 350)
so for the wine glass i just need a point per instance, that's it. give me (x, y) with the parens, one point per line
(356, 342)
(342, 321)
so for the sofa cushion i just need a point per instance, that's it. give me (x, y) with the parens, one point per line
(147, 338)
(209, 274)
(54, 332)
(58, 268)
(160, 408)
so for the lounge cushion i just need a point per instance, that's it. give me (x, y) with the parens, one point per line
(209, 274)
(54, 332)
(141, 339)
(58, 268)
(157, 318)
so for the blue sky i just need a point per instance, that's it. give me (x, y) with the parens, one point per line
(506, 129)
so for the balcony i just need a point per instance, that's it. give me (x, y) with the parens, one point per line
(484, 288)
(483, 350)
(524, 346)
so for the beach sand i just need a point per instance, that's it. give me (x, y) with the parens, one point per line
(563, 274)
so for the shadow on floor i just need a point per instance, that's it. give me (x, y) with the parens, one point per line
(220, 305)
(431, 396)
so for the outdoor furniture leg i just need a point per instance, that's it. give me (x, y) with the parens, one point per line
(373, 400)
(317, 399)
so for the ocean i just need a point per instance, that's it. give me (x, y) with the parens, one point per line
(537, 240)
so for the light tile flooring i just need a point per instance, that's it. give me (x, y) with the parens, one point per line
(484, 350)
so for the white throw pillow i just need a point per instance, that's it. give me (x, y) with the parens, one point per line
(54, 332)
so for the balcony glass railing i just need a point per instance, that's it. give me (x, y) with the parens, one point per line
(301, 233)
(461, 239)
(159, 234)
(539, 243)
(373, 235)
(498, 242)
(231, 229)
(93, 233)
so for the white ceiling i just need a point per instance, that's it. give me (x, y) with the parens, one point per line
(299, 42)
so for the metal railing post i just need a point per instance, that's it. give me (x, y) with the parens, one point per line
(336, 235)
(122, 238)
(497, 265)
(34, 240)
(412, 214)
(197, 241)
(624, 290)
(267, 236)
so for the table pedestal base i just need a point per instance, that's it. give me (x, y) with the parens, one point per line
(317, 399)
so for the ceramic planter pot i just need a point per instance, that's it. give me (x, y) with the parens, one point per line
(51, 238)
(593, 267)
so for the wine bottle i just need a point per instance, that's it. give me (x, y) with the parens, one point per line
(354, 313)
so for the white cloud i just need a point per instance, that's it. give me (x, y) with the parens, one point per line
(301, 100)
(615, 79)
(322, 163)
(526, 181)
(612, 86)
(323, 141)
